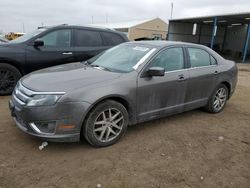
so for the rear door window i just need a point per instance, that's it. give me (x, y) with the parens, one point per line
(87, 38)
(213, 60)
(111, 39)
(198, 57)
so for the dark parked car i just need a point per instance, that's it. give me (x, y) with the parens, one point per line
(49, 46)
(127, 84)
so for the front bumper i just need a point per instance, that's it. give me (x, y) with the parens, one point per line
(69, 115)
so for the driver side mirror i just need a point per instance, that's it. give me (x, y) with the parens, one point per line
(38, 42)
(155, 71)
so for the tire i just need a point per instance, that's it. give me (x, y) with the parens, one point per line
(9, 75)
(101, 129)
(216, 107)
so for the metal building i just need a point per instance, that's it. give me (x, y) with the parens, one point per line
(140, 29)
(227, 34)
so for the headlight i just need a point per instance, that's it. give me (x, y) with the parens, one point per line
(43, 100)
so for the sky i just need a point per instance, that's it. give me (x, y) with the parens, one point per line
(27, 15)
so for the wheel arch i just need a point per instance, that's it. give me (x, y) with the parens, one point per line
(117, 98)
(12, 63)
(228, 85)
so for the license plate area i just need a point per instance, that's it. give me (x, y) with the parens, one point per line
(21, 123)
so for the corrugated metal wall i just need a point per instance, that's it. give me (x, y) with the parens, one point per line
(234, 39)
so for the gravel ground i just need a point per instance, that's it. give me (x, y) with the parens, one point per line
(192, 149)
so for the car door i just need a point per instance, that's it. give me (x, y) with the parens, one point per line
(160, 96)
(87, 43)
(202, 77)
(57, 49)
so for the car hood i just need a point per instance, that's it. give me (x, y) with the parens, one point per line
(66, 78)
(7, 46)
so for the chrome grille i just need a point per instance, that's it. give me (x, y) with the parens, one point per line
(21, 94)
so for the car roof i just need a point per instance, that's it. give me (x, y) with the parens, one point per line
(63, 26)
(159, 44)
(162, 43)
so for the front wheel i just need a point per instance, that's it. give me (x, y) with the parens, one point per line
(9, 76)
(106, 124)
(218, 99)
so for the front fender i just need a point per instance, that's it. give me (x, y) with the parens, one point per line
(125, 92)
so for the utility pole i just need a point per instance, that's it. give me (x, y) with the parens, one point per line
(172, 9)
(23, 28)
(106, 18)
(92, 19)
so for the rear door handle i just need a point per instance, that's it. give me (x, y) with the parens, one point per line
(67, 53)
(181, 77)
(216, 72)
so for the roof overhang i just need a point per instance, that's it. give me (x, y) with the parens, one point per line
(226, 19)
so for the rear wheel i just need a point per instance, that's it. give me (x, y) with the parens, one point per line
(9, 76)
(106, 124)
(218, 99)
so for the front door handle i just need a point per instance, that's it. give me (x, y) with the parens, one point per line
(181, 77)
(67, 53)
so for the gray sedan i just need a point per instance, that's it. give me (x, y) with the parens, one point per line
(128, 84)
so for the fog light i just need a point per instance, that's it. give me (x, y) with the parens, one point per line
(44, 127)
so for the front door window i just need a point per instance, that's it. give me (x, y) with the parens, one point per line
(60, 38)
(170, 59)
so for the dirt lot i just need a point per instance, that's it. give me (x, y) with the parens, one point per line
(179, 151)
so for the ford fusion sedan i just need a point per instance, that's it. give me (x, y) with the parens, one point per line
(50, 46)
(128, 84)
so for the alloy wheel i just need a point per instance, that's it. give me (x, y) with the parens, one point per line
(7, 80)
(220, 99)
(108, 125)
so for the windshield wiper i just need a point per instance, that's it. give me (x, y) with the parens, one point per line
(85, 62)
(103, 68)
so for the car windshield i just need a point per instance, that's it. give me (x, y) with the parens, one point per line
(27, 36)
(121, 58)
